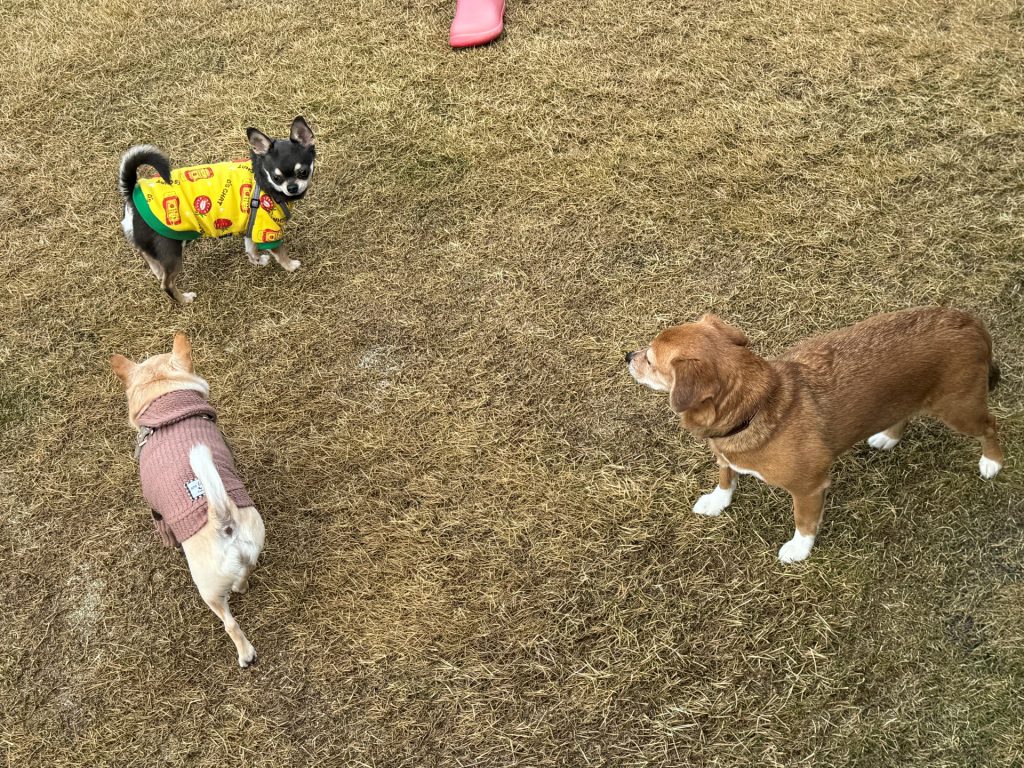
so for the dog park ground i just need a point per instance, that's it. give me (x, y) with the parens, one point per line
(480, 545)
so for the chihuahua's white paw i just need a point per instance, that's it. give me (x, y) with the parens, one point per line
(796, 549)
(188, 298)
(989, 468)
(292, 265)
(711, 504)
(882, 442)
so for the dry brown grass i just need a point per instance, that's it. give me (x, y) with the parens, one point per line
(480, 547)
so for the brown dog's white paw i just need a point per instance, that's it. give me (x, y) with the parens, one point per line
(248, 658)
(188, 297)
(989, 468)
(796, 549)
(712, 504)
(882, 441)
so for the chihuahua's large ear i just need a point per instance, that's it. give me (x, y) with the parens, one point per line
(259, 141)
(302, 133)
(734, 334)
(122, 366)
(693, 382)
(181, 353)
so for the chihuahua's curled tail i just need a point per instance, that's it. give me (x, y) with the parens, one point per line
(219, 506)
(136, 157)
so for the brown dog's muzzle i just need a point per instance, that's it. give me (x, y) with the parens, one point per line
(634, 362)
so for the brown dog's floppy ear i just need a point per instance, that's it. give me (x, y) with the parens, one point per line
(734, 334)
(181, 353)
(122, 366)
(693, 382)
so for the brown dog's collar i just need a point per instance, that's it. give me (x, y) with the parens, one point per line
(738, 428)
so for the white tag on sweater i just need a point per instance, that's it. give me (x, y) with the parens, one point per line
(195, 488)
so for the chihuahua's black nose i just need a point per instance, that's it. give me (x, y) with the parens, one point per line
(293, 188)
(629, 357)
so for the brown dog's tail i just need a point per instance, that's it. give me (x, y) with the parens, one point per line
(993, 366)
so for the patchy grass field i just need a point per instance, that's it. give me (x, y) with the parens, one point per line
(480, 547)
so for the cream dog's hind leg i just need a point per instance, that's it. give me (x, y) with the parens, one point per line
(206, 561)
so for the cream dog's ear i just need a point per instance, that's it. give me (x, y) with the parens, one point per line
(181, 353)
(734, 334)
(123, 367)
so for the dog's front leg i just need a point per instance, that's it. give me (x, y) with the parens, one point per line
(257, 257)
(281, 256)
(807, 510)
(713, 503)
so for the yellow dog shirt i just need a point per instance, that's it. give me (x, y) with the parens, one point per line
(212, 200)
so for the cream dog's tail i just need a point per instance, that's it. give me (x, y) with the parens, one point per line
(219, 506)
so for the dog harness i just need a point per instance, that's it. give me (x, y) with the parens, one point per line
(211, 200)
(169, 427)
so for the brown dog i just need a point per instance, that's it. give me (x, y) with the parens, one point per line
(785, 420)
(189, 480)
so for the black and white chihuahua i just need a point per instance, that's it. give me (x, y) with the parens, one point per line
(248, 198)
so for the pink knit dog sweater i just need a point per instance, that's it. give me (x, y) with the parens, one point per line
(170, 426)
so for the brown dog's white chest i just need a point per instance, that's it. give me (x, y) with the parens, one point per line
(723, 460)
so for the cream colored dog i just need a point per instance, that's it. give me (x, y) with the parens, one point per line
(185, 467)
